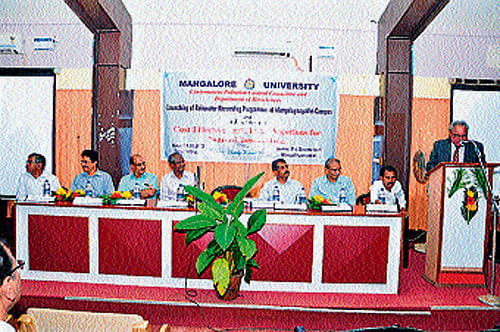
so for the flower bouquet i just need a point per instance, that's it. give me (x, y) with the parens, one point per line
(317, 201)
(67, 195)
(220, 198)
(111, 199)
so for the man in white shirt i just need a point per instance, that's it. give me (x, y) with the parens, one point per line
(387, 190)
(289, 190)
(31, 183)
(178, 177)
(10, 286)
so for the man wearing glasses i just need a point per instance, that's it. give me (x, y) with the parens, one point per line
(92, 181)
(175, 181)
(337, 188)
(31, 183)
(146, 182)
(456, 148)
(281, 186)
(10, 286)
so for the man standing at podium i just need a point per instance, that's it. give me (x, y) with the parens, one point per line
(456, 148)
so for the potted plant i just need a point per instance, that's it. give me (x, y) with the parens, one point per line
(231, 253)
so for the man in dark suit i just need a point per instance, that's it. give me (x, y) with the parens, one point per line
(456, 148)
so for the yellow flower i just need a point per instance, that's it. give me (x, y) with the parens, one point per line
(126, 194)
(319, 198)
(471, 207)
(80, 192)
(470, 193)
(61, 191)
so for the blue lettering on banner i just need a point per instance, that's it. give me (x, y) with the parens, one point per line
(206, 84)
(291, 85)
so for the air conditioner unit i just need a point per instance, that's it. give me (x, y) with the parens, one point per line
(262, 53)
(10, 44)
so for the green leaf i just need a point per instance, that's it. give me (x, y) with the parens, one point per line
(248, 247)
(239, 261)
(198, 221)
(204, 261)
(214, 248)
(248, 274)
(253, 263)
(224, 234)
(481, 180)
(221, 275)
(236, 207)
(242, 230)
(195, 234)
(210, 212)
(205, 198)
(256, 221)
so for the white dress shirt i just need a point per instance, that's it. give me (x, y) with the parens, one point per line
(289, 191)
(170, 183)
(390, 196)
(27, 185)
(5, 327)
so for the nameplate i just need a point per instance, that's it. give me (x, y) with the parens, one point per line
(131, 202)
(295, 207)
(87, 201)
(171, 204)
(342, 207)
(40, 199)
(258, 204)
(382, 208)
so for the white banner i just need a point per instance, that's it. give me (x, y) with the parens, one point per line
(250, 118)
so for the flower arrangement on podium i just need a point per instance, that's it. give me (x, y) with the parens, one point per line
(231, 252)
(220, 198)
(67, 195)
(112, 198)
(317, 201)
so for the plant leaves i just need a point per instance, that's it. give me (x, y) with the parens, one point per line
(242, 230)
(204, 261)
(195, 234)
(481, 180)
(236, 207)
(224, 234)
(457, 183)
(253, 263)
(248, 274)
(239, 261)
(221, 275)
(210, 212)
(198, 221)
(248, 247)
(256, 221)
(205, 198)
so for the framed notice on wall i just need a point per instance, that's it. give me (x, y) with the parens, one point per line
(27, 108)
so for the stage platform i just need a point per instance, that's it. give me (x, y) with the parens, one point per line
(418, 305)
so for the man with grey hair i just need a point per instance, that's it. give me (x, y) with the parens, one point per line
(31, 184)
(334, 186)
(456, 148)
(174, 181)
(10, 286)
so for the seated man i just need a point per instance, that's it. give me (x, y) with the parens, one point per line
(10, 286)
(171, 182)
(147, 182)
(92, 181)
(289, 190)
(32, 182)
(333, 185)
(387, 190)
(456, 148)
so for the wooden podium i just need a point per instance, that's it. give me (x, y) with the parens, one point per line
(458, 222)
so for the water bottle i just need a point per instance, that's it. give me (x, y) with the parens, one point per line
(89, 191)
(302, 196)
(180, 192)
(382, 196)
(137, 191)
(46, 189)
(276, 194)
(342, 196)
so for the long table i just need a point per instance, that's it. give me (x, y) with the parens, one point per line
(297, 251)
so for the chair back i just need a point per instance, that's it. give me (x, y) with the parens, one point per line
(363, 199)
(55, 320)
